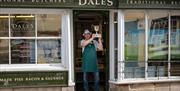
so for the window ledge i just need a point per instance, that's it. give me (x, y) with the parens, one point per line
(32, 67)
(145, 81)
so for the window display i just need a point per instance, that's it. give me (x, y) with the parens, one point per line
(49, 51)
(158, 44)
(134, 45)
(33, 38)
(22, 51)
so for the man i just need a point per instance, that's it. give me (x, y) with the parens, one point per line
(90, 63)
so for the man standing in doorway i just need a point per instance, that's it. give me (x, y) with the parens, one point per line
(90, 62)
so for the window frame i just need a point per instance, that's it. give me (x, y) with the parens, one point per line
(65, 24)
(121, 53)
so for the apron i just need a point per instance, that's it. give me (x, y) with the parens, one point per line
(90, 63)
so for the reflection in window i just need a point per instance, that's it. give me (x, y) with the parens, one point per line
(175, 44)
(22, 51)
(4, 51)
(134, 45)
(4, 29)
(22, 25)
(49, 51)
(49, 25)
(157, 44)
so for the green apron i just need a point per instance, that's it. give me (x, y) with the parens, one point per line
(90, 63)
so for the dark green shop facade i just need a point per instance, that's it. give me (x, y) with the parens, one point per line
(40, 44)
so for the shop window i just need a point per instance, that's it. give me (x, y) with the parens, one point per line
(158, 44)
(150, 47)
(30, 38)
(134, 45)
(175, 44)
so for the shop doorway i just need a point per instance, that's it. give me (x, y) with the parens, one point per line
(84, 19)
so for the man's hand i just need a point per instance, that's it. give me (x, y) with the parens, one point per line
(94, 36)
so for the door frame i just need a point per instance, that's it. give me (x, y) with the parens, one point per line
(107, 43)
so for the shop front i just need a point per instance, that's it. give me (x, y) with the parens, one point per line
(40, 44)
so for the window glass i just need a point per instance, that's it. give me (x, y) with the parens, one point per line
(49, 51)
(175, 44)
(28, 33)
(4, 25)
(22, 51)
(22, 25)
(49, 25)
(4, 51)
(134, 45)
(157, 44)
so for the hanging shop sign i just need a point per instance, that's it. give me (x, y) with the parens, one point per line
(27, 79)
(149, 4)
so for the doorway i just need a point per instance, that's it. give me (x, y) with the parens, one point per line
(84, 19)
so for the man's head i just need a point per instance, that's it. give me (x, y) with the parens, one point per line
(87, 34)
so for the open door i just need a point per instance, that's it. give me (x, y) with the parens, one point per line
(84, 19)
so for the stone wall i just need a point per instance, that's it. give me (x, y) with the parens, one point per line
(173, 86)
(39, 89)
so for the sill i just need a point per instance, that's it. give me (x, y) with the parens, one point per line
(32, 67)
(139, 81)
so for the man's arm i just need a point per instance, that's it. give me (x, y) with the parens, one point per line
(86, 42)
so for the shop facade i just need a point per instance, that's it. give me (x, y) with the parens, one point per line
(39, 44)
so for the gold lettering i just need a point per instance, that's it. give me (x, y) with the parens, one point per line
(109, 3)
(82, 3)
(103, 2)
(90, 2)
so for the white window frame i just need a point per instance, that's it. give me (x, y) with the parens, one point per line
(121, 29)
(65, 42)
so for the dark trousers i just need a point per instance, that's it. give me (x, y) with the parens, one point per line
(96, 83)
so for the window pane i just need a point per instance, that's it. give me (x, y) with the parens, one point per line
(4, 51)
(134, 44)
(4, 26)
(22, 51)
(158, 36)
(157, 44)
(22, 25)
(157, 69)
(49, 51)
(134, 69)
(175, 44)
(49, 25)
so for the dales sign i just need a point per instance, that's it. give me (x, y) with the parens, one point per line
(58, 3)
(42, 78)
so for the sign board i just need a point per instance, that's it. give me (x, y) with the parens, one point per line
(149, 4)
(38, 78)
(92, 4)
(58, 3)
